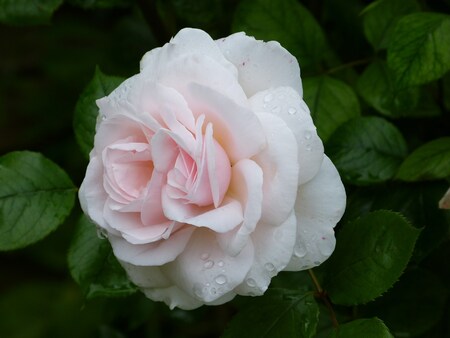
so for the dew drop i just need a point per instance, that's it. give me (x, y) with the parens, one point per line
(251, 282)
(308, 147)
(292, 111)
(316, 263)
(268, 98)
(213, 291)
(269, 266)
(198, 290)
(102, 233)
(204, 256)
(221, 279)
(208, 264)
(276, 109)
(307, 135)
(220, 263)
(300, 251)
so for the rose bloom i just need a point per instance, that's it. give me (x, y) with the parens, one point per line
(207, 174)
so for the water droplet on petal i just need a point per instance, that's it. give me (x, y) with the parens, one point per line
(300, 250)
(308, 147)
(213, 291)
(102, 233)
(221, 279)
(269, 266)
(220, 263)
(316, 262)
(292, 111)
(251, 282)
(307, 135)
(268, 98)
(204, 256)
(208, 264)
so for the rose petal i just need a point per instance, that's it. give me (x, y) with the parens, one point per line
(156, 253)
(320, 205)
(280, 167)
(222, 219)
(186, 41)
(273, 251)
(91, 194)
(205, 271)
(174, 297)
(246, 187)
(261, 65)
(236, 128)
(287, 104)
(146, 276)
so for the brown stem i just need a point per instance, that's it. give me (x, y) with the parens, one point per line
(324, 297)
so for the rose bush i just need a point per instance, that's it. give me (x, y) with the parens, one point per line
(207, 174)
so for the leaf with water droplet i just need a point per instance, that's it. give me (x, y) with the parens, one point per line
(93, 265)
(371, 254)
(279, 313)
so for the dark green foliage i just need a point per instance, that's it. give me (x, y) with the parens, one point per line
(376, 79)
(35, 198)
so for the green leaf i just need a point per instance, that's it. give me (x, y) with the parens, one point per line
(418, 50)
(428, 162)
(35, 198)
(279, 313)
(403, 302)
(86, 111)
(199, 13)
(287, 22)
(27, 12)
(331, 102)
(418, 203)
(380, 17)
(95, 4)
(377, 86)
(93, 265)
(367, 150)
(367, 328)
(371, 254)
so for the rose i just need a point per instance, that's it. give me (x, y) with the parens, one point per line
(207, 173)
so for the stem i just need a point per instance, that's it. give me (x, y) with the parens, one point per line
(348, 65)
(324, 297)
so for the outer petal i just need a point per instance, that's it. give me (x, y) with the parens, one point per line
(146, 276)
(186, 41)
(173, 296)
(320, 205)
(158, 253)
(246, 186)
(205, 271)
(280, 169)
(287, 104)
(273, 250)
(261, 65)
(236, 128)
(91, 194)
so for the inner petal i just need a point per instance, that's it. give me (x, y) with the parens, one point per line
(128, 168)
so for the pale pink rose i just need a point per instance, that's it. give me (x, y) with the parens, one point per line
(207, 173)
